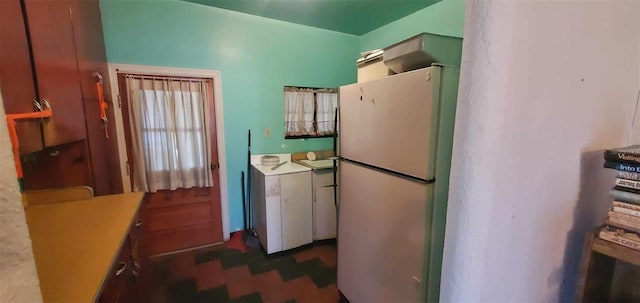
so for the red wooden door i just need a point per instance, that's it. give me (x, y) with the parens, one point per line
(186, 217)
(182, 218)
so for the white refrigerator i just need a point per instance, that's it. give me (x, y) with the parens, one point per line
(395, 137)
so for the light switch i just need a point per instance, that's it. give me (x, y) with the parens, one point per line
(267, 132)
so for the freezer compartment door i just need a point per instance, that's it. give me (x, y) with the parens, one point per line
(381, 231)
(390, 122)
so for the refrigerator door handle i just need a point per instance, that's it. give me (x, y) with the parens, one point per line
(390, 172)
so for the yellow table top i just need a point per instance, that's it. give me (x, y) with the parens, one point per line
(75, 243)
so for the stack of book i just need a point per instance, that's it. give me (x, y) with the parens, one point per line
(622, 225)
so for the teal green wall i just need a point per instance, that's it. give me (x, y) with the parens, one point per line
(255, 56)
(443, 18)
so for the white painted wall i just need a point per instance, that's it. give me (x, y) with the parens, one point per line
(18, 276)
(545, 87)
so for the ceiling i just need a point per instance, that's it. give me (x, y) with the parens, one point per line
(355, 17)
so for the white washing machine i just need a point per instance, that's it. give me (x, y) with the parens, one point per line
(282, 205)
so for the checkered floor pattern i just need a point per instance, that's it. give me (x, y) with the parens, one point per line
(220, 274)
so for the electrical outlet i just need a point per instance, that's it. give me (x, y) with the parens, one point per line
(267, 132)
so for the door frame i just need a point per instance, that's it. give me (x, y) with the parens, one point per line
(214, 75)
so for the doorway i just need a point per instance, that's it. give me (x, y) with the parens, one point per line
(172, 155)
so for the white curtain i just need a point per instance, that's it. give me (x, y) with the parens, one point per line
(299, 109)
(325, 114)
(170, 133)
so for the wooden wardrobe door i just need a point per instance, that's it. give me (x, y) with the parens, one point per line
(16, 79)
(92, 58)
(56, 65)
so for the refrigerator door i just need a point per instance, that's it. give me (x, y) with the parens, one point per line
(381, 234)
(390, 122)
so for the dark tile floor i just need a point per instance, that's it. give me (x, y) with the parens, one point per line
(220, 274)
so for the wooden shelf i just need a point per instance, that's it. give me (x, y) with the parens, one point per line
(616, 251)
(599, 259)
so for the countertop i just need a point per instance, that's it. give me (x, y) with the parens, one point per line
(322, 159)
(316, 164)
(75, 243)
(288, 168)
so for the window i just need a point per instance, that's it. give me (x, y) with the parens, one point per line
(309, 112)
(172, 128)
(170, 138)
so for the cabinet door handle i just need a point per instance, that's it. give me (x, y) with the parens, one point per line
(139, 223)
(122, 266)
(134, 272)
(37, 107)
(41, 105)
(136, 265)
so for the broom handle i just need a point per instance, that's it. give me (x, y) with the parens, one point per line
(250, 215)
(244, 203)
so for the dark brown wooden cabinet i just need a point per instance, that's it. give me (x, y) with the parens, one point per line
(56, 66)
(48, 30)
(67, 49)
(140, 259)
(119, 279)
(16, 78)
(90, 50)
(57, 167)
(128, 280)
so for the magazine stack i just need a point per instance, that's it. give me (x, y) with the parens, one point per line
(622, 225)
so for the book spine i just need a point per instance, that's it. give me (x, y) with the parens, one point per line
(626, 211)
(628, 175)
(622, 166)
(618, 225)
(624, 205)
(627, 189)
(624, 196)
(628, 183)
(612, 237)
(624, 219)
(621, 156)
